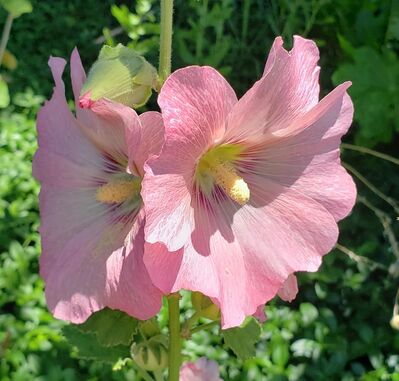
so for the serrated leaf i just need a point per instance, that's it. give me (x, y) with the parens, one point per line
(111, 327)
(242, 340)
(16, 7)
(4, 94)
(89, 348)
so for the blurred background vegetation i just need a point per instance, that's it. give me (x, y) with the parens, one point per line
(338, 327)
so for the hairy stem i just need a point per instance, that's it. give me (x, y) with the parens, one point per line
(165, 50)
(175, 340)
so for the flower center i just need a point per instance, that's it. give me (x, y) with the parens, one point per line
(119, 189)
(217, 167)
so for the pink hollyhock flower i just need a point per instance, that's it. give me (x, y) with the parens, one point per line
(201, 370)
(249, 191)
(92, 222)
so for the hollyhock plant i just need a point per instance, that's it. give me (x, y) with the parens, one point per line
(201, 370)
(249, 191)
(90, 168)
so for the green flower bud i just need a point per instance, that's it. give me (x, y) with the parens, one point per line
(119, 74)
(151, 355)
(204, 306)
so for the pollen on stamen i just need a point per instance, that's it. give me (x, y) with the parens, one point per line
(118, 191)
(234, 185)
(240, 191)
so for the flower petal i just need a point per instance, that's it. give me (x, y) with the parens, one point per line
(78, 75)
(306, 156)
(87, 274)
(63, 147)
(260, 314)
(106, 124)
(289, 289)
(195, 102)
(167, 202)
(131, 288)
(150, 144)
(288, 89)
(293, 241)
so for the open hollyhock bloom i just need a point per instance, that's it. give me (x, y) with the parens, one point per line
(248, 191)
(201, 370)
(92, 222)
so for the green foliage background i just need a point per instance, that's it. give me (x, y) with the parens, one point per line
(338, 327)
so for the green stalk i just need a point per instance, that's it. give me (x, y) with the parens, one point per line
(165, 49)
(175, 341)
(5, 36)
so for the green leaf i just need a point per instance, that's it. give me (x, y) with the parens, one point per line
(242, 340)
(89, 348)
(16, 7)
(111, 327)
(4, 94)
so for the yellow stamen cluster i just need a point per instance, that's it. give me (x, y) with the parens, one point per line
(227, 178)
(118, 190)
(216, 167)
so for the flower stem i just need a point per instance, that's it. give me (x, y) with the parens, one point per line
(174, 337)
(165, 49)
(5, 36)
